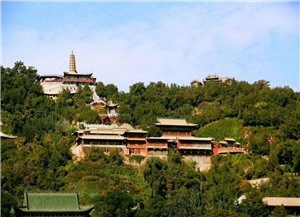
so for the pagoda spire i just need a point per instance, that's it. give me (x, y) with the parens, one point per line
(72, 65)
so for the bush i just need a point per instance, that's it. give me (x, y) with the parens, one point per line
(136, 158)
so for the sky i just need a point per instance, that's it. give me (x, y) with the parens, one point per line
(123, 43)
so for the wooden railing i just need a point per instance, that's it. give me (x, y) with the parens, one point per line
(229, 149)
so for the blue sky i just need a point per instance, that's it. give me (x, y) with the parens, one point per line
(128, 42)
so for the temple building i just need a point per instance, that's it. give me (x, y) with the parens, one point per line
(108, 111)
(196, 83)
(111, 108)
(136, 142)
(176, 133)
(111, 115)
(54, 84)
(125, 138)
(158, 146)
(226, 146)
(105, 137)
(73, 77)
(51, 204)
(215, 78)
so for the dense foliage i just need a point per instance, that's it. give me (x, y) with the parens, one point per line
(266, 119)
(256, 104)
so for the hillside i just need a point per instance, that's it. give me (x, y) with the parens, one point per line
(268, 119)
(228, 127)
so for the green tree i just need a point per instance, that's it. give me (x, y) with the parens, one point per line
(155, 207)
(7, 203)
(185, 203)
(111, 90)
(114, 203)
(101, 90)
(137, 89)
(154, 175)
(253, 204)
(279, 211)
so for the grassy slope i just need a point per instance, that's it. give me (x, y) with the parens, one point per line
(228, 127)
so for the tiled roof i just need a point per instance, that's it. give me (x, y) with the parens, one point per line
(189, 138)
(229, 139)
(51, 201)
(127, 126)
(103, 137)
(285, 201)
(195, 81)
(58, 203)
(212, 77)
(192, 138)
(159, 138)
(50, 76)
(4, 135)
(139, 139)
(101, 129)
(111, 104)
(104, 146)
(68, 73)
(136, 131)
(174, 122)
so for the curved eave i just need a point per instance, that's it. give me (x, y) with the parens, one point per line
(195, 148)
(199, 139)
(136, 140)
(67, 73)
(81, 211)
(157, 138)
(50, 76)
(176, 125)
(136, 132)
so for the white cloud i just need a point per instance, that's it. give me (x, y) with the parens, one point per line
(180, 44)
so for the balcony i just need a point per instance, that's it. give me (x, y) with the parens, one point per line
(195, 147)
(78, 79)
(228, 150)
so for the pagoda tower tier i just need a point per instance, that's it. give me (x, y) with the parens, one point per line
(72, 77)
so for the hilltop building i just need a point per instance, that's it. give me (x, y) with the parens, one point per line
(196, 83)
(54, 84)
(52, 204)
(73, 77)
(109, 110)
(215, 78)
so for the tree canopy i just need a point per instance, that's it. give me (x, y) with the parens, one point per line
(266, 119)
